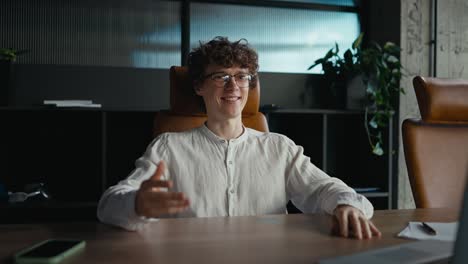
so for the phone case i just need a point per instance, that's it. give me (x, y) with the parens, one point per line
(47, 260)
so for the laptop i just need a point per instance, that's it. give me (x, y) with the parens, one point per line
(425, 251)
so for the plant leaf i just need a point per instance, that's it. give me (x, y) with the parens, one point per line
(392, 59)
(377, 150)
(357, 42)
(317, 62)
(328, 55)
(390, 47)
(348, 58)
(373, 122)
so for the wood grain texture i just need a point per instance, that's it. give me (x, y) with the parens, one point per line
(252, 239)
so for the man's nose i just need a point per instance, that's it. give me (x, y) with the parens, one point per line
(231, 84)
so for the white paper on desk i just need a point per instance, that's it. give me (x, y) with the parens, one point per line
(445, 231)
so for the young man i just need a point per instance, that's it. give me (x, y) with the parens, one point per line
(225, 169)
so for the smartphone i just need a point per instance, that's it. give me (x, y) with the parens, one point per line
(49, 251)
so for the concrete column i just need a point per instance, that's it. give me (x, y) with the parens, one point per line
(415, 36)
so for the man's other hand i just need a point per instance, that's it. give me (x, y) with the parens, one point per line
(350, 222)
(152, 201)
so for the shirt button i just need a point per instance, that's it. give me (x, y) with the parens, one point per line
(223, 141)
(232, 191)
(230, 162)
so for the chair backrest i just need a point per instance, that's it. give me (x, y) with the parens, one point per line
(436, 146)
(186, 111)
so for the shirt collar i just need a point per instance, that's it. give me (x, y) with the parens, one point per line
(213, 137)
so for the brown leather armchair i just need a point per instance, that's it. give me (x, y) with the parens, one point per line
(186, 109)
(436, 147)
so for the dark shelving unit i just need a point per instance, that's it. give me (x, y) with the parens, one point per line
(78, 153)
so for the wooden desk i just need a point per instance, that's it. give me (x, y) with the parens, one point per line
(263, 239)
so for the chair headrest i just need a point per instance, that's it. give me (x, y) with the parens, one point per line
(184, 100)
(442, 100)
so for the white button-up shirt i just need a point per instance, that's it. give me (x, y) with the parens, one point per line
(254, 174)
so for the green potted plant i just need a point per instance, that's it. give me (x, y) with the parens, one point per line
(7, 58)
(380, 70)
(10, 54)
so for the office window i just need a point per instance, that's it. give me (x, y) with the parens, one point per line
(287, 40)
(103, 33)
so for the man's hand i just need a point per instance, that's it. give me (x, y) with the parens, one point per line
(351, 222)
(153, 202)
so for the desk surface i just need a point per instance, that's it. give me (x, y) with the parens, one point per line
(267, 239)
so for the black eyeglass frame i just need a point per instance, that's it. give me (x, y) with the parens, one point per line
(210, 75)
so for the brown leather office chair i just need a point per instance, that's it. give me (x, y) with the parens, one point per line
(436, 147)
(186, 110)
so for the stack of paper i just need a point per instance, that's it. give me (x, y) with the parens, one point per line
(444, 231)
(72, 103)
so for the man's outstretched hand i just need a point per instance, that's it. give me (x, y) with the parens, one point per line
(153, 202)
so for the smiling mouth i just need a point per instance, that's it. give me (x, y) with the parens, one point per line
(231, 98)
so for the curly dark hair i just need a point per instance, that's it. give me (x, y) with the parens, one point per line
(222, 52)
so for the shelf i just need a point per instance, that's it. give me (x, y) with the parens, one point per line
(92, 109)
(375, 194)
(336, 142)
(37, 212)
(101, 145)
(95, 147)
(49, 205)
(316, 111)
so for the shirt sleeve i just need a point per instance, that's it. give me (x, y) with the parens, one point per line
(312, 191)
(117, 204)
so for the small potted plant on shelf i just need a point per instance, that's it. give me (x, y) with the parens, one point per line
(379, 70)
(7, 58)
(10, 54)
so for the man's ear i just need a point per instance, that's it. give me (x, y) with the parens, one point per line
(197, 88)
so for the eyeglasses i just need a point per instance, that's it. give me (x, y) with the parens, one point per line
(221, 79)
(34, 190)
(17, 197)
